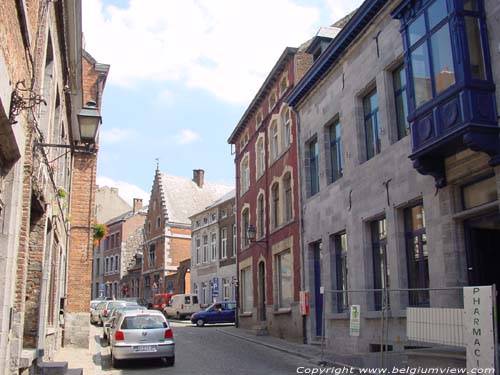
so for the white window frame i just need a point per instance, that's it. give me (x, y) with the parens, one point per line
(205, 249)
(235, 239)
(279, 282)
(213, 246)
(198, 250)
(223, 246)
(245, 174)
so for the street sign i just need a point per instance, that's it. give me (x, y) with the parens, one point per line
(215, 287)
(355, 320)
(304, 302)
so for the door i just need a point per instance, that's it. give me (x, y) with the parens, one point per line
(318, 297)
(262, 291)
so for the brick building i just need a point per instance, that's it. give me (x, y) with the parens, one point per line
(168, 230)
(213, 256)
(268, 204)
(400, 153)
(123, 241)
(41, 94)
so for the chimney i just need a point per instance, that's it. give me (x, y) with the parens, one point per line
(199, 177)
(137, 204)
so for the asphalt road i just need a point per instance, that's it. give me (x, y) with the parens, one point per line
(206, 350)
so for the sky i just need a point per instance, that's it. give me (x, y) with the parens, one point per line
(182, 74)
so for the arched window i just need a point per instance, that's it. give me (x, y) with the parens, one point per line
(286, 128)
(245, 222)
(274, 141)
(275, 194)
(245, 174)
(261, 166)
(287, 190)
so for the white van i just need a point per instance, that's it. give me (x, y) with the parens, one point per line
(182, 305)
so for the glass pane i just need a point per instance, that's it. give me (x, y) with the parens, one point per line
(416, 30)
(471, 5)
(370, 148)
(399, 78)
(402, 114)
(285, 279)
(442, 59)
(421, 75)
(437, 12)
(475, 50)
(481, 192)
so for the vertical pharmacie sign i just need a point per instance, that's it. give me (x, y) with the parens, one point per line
(479, 327)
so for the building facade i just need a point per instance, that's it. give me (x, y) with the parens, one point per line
(44, 164)
(400, 185)
(269, 267)
(213, 254)
(167, 230)
(125, 238)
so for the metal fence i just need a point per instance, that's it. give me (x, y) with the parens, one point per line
(392, 324)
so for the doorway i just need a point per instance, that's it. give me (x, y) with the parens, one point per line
(318, 297)
(262, 291)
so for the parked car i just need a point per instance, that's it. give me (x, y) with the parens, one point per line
(102, 310)
(138, 335)
(182, 305)
(114, 313)
(160, 301)
(139, 300)
(219, 312)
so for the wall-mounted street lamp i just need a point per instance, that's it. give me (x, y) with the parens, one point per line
(251, 234)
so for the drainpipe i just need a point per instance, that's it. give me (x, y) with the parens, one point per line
(237, 289)
(42, 304)
(301, 214)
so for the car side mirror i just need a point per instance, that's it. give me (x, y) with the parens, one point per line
(107, 325)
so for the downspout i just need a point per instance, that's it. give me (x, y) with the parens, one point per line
(237, 289)
(301, 222)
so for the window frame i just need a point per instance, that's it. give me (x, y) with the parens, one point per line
(374, 116)
(341, 271)
(280, 302)
(223, 235)
(335, 150)
(313, 164)
(378, 236)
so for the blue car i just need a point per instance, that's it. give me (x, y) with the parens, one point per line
(219, 312)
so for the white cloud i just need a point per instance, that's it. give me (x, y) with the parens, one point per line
(187, 136)
(165, 98)
(224, 46)
(126, 190)
(116, 135)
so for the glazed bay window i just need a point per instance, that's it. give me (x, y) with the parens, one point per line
(379, 255)
(417, 255)
(313, 162)
(400, 97)
(284, 279)
(246, 290)
(335, 151)
(340, 246)
(432, 65)
(372, 126)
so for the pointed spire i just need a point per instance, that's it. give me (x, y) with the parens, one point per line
(157, 165)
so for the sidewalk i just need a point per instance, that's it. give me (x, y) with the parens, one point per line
(88, 359)
(312, 353)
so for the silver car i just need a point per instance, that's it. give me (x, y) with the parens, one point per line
(138, 335)
(114, 314)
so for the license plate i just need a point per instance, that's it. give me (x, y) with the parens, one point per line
(145, 348)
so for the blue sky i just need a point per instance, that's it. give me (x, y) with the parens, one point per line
(182, 76)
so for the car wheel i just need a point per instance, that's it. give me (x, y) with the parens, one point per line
(116, 363)
(178, 316)
(169, 361)
(200, 322)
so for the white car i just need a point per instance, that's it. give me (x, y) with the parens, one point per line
(182, 305)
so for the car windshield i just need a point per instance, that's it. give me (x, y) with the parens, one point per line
(144, 322)
(113, 305)
(94, 304)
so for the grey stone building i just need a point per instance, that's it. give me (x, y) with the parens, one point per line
(398, 143)
(213, 251)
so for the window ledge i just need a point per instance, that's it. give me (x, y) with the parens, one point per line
(245, 314)
(338, 316)
(281, 226)
(283, 311)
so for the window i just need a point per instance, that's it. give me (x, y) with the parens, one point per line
(147, 282)
(245, 174)
(117, 263)
(275, 205)
(205, 249)
(98, 267)
(152, 255)
(287, 128)
(272, 100)
(198, 248)
(432, 65)
(283, 84)
(372, 128)
(260, 216)
(417, 255)
(149, 226)
(226, 289)
(476, 56)
(195, 288)
(379, 256)
(399, 79)
(158, 222)
(205, 220)
(223, 213)
(213, 217)
(340, 245)
(213, 246)
(234, 240)
(112, 264)
(274, 141)
(479, 193)
(106, 267)
(261, 162)
(287, 188)
(244, 140)
(313, 167)
(284, 280)
(246, 290)
(245, 222)
(258, 119)
(223, 249)
(204, 297)
(335, 151)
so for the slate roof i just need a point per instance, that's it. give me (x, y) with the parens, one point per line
(183, 197)
(127, 215)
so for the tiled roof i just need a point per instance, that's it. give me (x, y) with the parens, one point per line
(183, 197)
(127, 215)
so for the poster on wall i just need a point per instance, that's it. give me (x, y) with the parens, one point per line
(355, 320)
